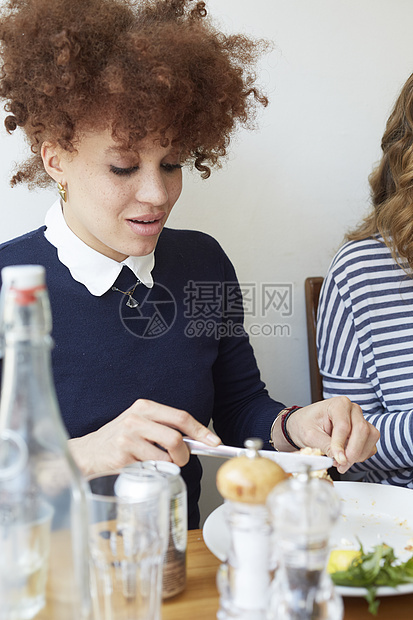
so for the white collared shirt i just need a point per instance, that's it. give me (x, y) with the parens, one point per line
(87, 266)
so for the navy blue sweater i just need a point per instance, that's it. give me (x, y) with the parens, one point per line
(183, 346)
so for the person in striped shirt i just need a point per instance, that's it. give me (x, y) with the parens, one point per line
(365, 315)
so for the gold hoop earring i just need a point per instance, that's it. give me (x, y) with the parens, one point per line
(62, 192)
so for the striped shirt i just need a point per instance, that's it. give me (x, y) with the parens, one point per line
(365, 350)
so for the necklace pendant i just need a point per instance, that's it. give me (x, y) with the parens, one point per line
(132, 303)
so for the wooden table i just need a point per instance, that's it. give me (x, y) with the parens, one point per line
(200, 599)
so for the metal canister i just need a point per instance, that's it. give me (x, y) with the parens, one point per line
(174, 567)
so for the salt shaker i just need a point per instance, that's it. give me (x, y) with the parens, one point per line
(303, 512)
(244, 580)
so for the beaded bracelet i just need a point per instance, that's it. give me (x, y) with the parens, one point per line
(284, 419)
(285, 414)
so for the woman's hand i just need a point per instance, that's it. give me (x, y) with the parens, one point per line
(145, 431)
(336, 426)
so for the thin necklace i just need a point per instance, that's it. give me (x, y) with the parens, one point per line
(132, 303)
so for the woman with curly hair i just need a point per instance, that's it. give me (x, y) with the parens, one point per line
(114, 96)
(365, 323)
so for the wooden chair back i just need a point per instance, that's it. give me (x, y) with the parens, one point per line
(312, 295)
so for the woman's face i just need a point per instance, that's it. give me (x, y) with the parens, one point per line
(118, 201)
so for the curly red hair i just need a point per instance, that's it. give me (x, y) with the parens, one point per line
(139, 66)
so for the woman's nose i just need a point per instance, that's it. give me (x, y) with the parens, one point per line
(151, 190)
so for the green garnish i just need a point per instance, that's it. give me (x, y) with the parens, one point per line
(371, 570)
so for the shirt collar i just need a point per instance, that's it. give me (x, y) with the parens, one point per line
(87, 266)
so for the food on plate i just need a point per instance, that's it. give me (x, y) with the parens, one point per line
(371, 570)
(340, 559)
(321, 473)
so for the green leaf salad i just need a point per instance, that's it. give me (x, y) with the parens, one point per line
(373, 570)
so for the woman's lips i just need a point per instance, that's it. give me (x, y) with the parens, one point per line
(147, 225)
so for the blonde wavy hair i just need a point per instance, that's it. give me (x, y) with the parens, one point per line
(391, 184)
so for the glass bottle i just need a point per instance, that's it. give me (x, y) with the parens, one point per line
(244, 579)
(303, 511)
(5, 284)
(43, 524)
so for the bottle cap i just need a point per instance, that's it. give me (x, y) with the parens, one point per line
(250, 478)
(26, 280)
(23, 277)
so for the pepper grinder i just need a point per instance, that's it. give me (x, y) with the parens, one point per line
(244, 579)
(303, 511)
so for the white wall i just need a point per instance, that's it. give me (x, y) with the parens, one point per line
(282, 202)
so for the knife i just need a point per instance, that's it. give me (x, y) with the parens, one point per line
(291, 462)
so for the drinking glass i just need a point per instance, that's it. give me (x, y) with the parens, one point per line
(24, 562)
(128, 537)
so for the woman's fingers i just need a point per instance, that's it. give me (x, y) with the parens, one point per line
(336, 426)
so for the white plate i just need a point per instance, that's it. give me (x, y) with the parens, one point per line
(374, 513)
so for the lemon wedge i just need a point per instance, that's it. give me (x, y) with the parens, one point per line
(340, 559)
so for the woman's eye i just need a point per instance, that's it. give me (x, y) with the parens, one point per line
(171, 167)
(124, 171)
